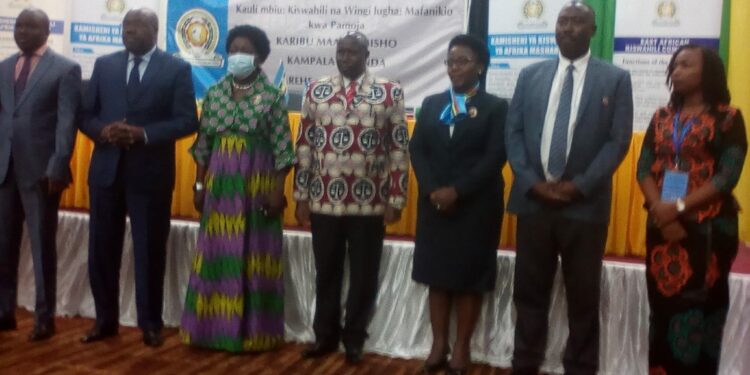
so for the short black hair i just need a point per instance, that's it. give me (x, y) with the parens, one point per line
(255, 35)
(475, 44)
(713, 78)
(358, 37)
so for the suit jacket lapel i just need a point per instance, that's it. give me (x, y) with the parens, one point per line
(460, 127)
(442, 129)
(588, 83)
(8, 75)
(542, 92)
(152, 71)
(45, 62)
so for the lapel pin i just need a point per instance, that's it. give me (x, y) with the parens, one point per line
(605, 101)
(472, 112)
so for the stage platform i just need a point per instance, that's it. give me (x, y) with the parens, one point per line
(400, 325)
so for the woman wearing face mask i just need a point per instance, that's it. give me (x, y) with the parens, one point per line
(690, 162)
(243, 152)
(457, 152)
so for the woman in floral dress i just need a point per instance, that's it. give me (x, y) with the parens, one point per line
(243, 152)
(691, 160)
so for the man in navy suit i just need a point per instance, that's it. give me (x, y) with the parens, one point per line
(138, 102)
(569, 127)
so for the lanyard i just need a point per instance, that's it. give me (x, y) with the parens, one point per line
(678, 139)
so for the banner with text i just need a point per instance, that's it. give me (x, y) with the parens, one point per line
(520, 33)
(408, 40)
(95, 29)
(9, 10)
(647, 32)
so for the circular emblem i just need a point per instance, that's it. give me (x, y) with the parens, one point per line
(115, 6)
(342, 138)
(533, 9)
(472, 112)
(384, 189)
(309, 134)
(197, 36)
(667, 9)
(357, 99)
(303, 178)
(316, 188)
(403, 181)
(337, 190)
(369, 140)
(401, 136)
(319, 137)
(397, 93)
(363, 190)
(376, 95)
(322, 92)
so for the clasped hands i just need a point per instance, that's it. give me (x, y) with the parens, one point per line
(444, 199)
(122, 134)
(664, 215)
(556, 194)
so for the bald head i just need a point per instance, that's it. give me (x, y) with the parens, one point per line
(576, 24)
(140, 28)
(31, 29)
(351, 55)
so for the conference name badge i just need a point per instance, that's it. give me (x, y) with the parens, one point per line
(675, 186)
(197, 36)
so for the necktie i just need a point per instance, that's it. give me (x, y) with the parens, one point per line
(559, 145)
(23, 76)
(351, 92)
(134, 81)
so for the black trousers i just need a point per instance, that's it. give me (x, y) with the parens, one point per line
(149, 213)
(333, 238)
(580, 245)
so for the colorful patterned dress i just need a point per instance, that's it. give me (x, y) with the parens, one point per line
(688, 280)
(234, 297)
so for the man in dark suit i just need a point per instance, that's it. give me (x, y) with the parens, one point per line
(138, 102)
(40, 94)
(569, 127)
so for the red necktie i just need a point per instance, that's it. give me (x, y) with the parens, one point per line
(351, 92)
(23, 76)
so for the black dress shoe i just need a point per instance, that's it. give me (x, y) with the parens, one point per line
(319, 349)
(42, 332)
(97, 334)
(7, 323)
(354, 355)
(153, 338)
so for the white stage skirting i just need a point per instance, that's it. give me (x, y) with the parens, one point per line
(400, 325)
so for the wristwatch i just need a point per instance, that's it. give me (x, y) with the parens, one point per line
(680, 205)
(198, 186)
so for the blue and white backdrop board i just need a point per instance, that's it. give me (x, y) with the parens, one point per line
(520, 33)
(647, 32)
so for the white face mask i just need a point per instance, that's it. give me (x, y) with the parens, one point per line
(241, 65)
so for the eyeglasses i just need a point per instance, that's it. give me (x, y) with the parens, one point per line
(458, 62)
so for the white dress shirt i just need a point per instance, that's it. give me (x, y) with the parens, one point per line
(579, 75)
(145, 59)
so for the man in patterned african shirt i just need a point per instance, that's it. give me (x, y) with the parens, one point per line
(350, 181)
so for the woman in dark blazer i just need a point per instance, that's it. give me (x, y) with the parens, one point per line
(457, 152)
